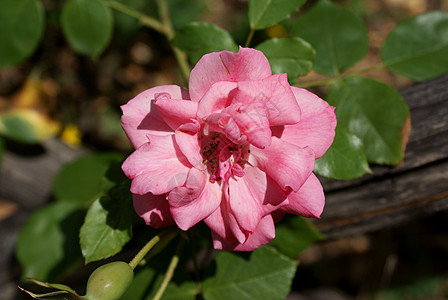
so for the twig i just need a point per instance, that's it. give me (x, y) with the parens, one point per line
(170, 271)
(142, 253)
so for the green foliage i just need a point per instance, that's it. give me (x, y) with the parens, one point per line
(127, 26)
(293, 235)
(264, 13)
(184, 12)
(288, 55)
(83, 180)
(18, 128)
(417, 48)
(199, 38)
(338, 35)
(143, 280)
(149, 277)
(22, 25)
(187, 290)
(87, 26)
(48, 243)
(262, 274)
(428, 287)
(108, 225)
(345, 159)
(373, 111)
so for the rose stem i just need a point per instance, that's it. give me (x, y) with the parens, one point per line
(170, 271)
(142, 253)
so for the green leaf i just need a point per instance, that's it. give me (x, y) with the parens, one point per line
(261, 274)
(128, 26)
(108, 225)
(199, 38)
(288, 55)
(293, 235)
(17, 128)
(338, 35)
(83, 180)
(187, 290)
(426, 287)
(373, 111)
(148, 279)
(417, 48)
(22, 23)
(264, 13)
(345, 159)
(87, 26)
(48, 243)
(144, 279)
(184, 12)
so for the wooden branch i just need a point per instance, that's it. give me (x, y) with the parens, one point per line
(26, 179)
(393, 195)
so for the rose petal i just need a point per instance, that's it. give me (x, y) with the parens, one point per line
(247, 64)
(187, 140)
(287, 164)
(275, 93)
(253, 196)
(215, 99)
(316, 128)
(157, 166)
(154, 209)
(253, 122)
(263, 234)
(141, 117)
(196, 200)
(223, 223)
(176, 112)
(308, 201)
(224, 123)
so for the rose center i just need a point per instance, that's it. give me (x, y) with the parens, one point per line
(222, 157)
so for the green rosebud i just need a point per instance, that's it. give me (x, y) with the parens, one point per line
(109, 281)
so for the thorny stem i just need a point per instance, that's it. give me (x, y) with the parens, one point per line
(164, 27)
(332, 80)
(316, 83)
(170, 271)
(169, 33)
(367, 69)
(144, 19)
(142, 253)
(249, 37)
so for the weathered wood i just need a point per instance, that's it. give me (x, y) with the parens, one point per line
(26, 179)
(393, 195)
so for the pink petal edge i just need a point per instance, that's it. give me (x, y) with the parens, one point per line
(141, 117)
(246, 64)
(316, 129)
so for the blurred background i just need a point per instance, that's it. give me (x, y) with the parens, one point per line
(71, 105)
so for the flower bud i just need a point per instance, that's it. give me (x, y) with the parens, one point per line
(109, 281)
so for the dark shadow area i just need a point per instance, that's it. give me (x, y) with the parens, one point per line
(25, 150)
(364, 266)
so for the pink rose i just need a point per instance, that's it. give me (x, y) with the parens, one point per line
(235, 149)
